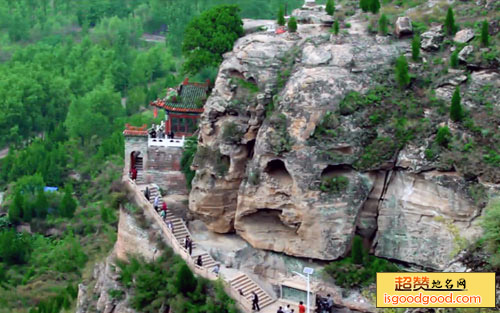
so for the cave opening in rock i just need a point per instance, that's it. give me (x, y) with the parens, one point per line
(335, 170)
(252, 81)
(236, 74)
(266, 221)
(250, 148)
(277, 170)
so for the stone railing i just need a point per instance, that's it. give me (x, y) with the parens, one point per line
(166, 142)
(243, 303)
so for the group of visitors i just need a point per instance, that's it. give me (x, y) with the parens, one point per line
(323, 305)
(287, 309)
(158, 131)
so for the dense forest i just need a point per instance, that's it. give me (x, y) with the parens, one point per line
(72, 73)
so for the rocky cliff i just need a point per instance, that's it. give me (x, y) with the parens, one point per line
(306, 140)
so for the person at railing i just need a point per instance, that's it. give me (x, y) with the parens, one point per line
(133, 174)
(146, 193)
(255, 302)
(199, 261)
(280, 310)
(170, 226)
(152, 132)
(216, 270)
(156, 202)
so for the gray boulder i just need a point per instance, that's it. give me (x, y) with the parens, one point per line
(463, 36)
(432, 39)
(403, 26)
(465, 53)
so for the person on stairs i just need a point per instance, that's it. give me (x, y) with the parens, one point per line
(156, 203)
(255, 302)
(199, 261)
(216, 269)
(146, 193)
(329, 303)
(186, 242)
(164, 210)
(190, 247)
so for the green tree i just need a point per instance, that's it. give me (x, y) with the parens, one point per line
(209, 36)
(485, 36)
(14, 248)
(330, 7)
(185, 281)
(449, 23)
(357, 250)
(454, 59)
(281, 16)
(336, 27)
(292, 25)
(365, 5)
(374, 6)
(41, 204)
(415, 47)
(68, 203)
(402, 76)
(443, 136)
(16, 208)
(456, 110)
(383, 25)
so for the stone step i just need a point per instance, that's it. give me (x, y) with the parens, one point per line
(248, 286)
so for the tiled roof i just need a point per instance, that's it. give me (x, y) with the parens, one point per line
(191, 99)
(135, 131)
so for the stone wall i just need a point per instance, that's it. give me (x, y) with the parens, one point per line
(135, 144)
(161, 165)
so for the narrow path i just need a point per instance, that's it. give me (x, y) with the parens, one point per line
(237, 284)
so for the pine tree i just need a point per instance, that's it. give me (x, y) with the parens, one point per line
(374, 6)
(364, 5)
(454, 59)
(281, 17)
(456, 110)
(68, 204)
(336, 27)
(330, 7)
(415, 47)
(402, 76)
(16, 208)
(449, 23)
(41, 205)
(357, 250)
(184, 280)
(485, 36)
(382, 25)
(292, 25)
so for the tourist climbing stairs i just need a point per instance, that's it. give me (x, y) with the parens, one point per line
(244, 284)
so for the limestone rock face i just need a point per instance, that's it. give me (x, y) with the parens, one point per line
(263, 171)
(423, 217)
(403, 26)
(463, 36)
(432, 39)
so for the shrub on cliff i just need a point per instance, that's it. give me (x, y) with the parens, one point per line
(443, 136)
(456, 111)
(485, 37)
(401, 70)
(449, 23)
(210, 35)
(491, 226)
(330, 7)
(415, 47)
(292, 25)
(281, 17)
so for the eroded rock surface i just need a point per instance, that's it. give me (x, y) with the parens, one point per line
(261, 167)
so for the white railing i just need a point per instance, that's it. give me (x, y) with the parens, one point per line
(166, 142)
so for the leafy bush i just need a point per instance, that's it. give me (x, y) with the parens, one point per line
(449, 23)
(330, 7)
(280, 140)
(281, 16)
(381, 149)
(456, 111)
(491, 226)
(443, 136)
(231, 133)
(485, 36)
(15, 248)
(335, 185)
(401, 70)
(415, 47)
(359, 269)
(383, 25)
(454, 59)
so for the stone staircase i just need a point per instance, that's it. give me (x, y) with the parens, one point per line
(140, 173)
(247, 286)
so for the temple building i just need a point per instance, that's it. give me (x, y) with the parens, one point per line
(153, 153)
(183, 106)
